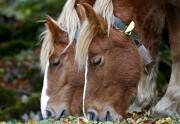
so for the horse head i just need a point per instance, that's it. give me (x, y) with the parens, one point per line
(63, 82)
(113, 68)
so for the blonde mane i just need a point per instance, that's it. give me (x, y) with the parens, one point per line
(46, 49)
(105, 9)
(83, 42)
(69, 19)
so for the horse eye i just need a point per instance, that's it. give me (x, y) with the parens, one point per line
(97, 61)
(55, 62)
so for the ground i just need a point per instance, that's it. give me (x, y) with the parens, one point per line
(132, 118)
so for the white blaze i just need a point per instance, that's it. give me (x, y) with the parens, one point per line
(44, 97)
(85, 83)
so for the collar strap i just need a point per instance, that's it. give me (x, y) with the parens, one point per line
(144, 53)
(118, 24)
(76, 35)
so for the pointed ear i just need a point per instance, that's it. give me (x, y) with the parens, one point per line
(53, 27)
(81, 12)
(94, 18)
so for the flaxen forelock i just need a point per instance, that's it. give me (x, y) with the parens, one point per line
(46, 49)
(69, 19)
(86, 34)
(88, 31)
(105, 9)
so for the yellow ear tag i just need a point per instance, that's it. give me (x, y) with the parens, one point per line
(129, 28)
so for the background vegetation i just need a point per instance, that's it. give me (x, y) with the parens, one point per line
(20, 77)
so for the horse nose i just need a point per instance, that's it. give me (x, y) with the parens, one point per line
(92, 115)
(49, 113)
(62, 113)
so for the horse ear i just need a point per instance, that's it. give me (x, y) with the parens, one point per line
(81, 12)
(53, 27)
(93, 17)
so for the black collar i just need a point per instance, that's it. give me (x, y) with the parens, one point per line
(118, 24)
(144, 53)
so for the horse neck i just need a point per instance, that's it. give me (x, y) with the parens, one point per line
(148, 17)
(137, 10)
(128, 10)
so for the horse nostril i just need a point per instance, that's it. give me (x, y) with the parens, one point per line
(92, 115)
(62, 113)
(50, 113)
(107, 116)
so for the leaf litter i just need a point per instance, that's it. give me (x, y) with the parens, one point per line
(132, 118)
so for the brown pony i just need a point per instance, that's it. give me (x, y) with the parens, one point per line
(63, 82)
(155, 21)
(113, 68)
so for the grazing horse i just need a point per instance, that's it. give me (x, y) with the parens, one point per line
(155, 21)
(63, 82)
(113, 68)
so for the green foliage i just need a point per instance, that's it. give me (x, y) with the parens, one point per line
(19, 19)
(7, 97)
(15, 112)
(14, 47)
(35, 79)
(31, 10)
(19, 53)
